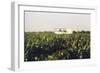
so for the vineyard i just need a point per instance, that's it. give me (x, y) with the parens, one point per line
(44, 46)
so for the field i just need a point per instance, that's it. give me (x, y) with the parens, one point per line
(44, 46)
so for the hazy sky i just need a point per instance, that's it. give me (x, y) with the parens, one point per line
(45, 21)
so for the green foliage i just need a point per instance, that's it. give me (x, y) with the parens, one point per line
(42, 46)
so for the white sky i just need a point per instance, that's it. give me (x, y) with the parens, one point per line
(45, 21)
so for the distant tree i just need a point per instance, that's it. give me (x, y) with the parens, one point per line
(74, 32)
(83, 31)
(64, 30)
(87, 31)
(60, 30)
